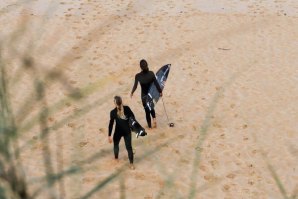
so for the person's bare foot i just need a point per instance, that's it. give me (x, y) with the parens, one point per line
(132, 167)
(154, 123)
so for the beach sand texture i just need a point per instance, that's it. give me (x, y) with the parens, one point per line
(232, 93)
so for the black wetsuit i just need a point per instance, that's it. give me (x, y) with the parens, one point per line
(146, 79)
(122, 129)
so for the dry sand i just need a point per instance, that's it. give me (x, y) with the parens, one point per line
(232, 93)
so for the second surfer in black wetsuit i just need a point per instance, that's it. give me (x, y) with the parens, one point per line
(121, 114)
(146, 78)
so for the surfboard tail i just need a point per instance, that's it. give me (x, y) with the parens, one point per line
(136, 127)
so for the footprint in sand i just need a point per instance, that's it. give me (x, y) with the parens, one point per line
(140, 176)
(176, 151)
(231, 176)
(203, 168)
(210, 178)
(68, 104)
(194, 127)
(72, 82)
(180, 120)
(82, 144)
(225, 188)
(214, 163)
(174, 102)
(217, 125)
(78, 57)
(39, 146)
(254, 151)
(250, 182)
(50, 119)
(88, 179)
(222, 136)
(35, 137)
(185, 161)
(217, 88)
(200, 149)
(71, 125)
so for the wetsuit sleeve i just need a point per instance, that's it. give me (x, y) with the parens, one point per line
(157, 84)
(130, 113)
(111, 123)
(135, 85)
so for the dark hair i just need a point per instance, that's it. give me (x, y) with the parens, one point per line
(144, 65)
(118, 100)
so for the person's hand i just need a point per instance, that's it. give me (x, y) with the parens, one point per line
(110, 139)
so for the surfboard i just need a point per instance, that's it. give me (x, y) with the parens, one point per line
(153, 94)
(136, 127)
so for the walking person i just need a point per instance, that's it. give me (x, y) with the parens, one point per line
(146, 78)
(121, 114)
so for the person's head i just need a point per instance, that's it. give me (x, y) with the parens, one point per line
(119, 106)
(144, 65)
(118, 101)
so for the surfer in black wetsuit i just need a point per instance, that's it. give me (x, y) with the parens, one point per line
(146, 78)
(120, 114)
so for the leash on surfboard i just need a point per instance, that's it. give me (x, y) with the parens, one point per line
(164, 107)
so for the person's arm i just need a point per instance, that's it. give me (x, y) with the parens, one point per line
(134, 86)
(111, 124)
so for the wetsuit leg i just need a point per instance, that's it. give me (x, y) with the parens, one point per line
(127, 140)
(147, 111)
(116, 140)
(153, 113)
(148, 117)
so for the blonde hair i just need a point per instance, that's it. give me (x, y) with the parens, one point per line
(119, 105)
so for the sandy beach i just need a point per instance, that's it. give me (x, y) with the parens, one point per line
(232, 93)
